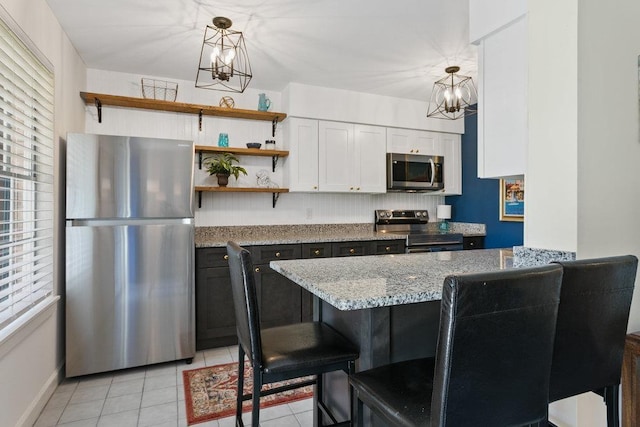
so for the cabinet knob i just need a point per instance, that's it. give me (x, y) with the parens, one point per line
(315, 187)
(316, 252)
(358, 188)
(352, 251)
(226, 257)
(417, 151)
(277, 254)
(387, 249)
(257, 269)
(470, 243)
(350, 188)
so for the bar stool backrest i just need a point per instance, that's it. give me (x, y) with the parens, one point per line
(245, 302)
(592, 324)
(494, 347)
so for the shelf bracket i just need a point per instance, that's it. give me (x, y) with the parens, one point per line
(275, 197)
(200, 160)
(199, 199)
(99, 108)
(274, 162)
(273, 127)
(200, 120)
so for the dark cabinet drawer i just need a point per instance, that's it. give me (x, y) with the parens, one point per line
(382, 247)
(211, 257)
(352, 248)
(266, 254)
(475, 242)
(316, 250)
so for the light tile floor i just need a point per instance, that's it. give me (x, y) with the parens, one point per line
(151, 396)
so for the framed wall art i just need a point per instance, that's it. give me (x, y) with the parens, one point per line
(512, 200)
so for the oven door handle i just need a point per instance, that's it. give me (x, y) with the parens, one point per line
(433, 171)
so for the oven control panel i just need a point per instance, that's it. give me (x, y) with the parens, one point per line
(401, 216)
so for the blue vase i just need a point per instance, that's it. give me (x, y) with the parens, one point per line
(223, 140)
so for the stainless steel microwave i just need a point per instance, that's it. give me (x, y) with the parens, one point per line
(414, 172)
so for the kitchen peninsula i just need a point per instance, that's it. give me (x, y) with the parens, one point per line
(388, 305)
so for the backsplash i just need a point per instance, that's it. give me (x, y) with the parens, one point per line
(305, 208)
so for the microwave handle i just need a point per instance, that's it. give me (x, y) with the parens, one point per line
(433, 171)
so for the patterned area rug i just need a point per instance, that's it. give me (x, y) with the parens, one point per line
(210, 393)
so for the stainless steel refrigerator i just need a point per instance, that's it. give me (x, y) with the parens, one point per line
(129, 252)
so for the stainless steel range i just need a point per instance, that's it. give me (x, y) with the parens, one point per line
(414, 224)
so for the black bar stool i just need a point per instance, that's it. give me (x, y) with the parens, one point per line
(283, 352)
(492, 361)
(592, 325)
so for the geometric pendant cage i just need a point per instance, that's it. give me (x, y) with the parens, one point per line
(452, 96)
(224, 64)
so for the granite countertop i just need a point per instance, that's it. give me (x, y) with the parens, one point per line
(353, 283)
(209, 237)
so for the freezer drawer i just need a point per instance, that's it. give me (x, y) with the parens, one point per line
(129, 295)
(128, 177)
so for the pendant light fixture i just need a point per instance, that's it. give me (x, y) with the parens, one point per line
(452, 96)
(224, 64)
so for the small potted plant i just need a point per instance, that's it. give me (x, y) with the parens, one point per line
(222, 165)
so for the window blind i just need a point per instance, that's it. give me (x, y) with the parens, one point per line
(26, 178)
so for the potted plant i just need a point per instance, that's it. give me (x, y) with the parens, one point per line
(222, 165)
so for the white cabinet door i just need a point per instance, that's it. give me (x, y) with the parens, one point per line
(303, 154)
(335, 156)
(451, 145)
(408, 141)
(502, 102)
(369, 173)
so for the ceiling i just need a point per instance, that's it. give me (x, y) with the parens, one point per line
(394, 48)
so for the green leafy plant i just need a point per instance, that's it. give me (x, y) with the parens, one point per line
(224, 164)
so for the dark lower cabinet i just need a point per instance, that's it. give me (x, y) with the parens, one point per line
(280, 300)
(215, 316)
(473, 242)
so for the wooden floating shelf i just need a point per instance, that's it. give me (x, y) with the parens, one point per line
(241, 189)
(275, 192)
(242, 151)
(179, 107)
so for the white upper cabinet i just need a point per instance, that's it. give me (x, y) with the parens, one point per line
(452, 151)
(302, 135)
(338, 157)
(369, 151)
(351, 158)
(408, 141)
(502, 96)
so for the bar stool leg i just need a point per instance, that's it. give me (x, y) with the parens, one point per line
(611, 399)
(240, 387)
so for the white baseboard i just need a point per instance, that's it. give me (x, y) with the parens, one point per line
(32, 413)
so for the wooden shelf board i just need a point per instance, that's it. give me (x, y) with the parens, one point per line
(241, 189)
(242, 151)
(180, 107)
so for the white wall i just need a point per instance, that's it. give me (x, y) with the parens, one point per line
(348, 106)
(584, 147)
(552, 157)
(38, 357)
(255, 208)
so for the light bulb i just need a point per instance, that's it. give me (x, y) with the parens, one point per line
(231, 54)
(226, 56)
(458, 93)
(447, 94)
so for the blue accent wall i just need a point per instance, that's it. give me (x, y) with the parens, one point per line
(480, 200)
